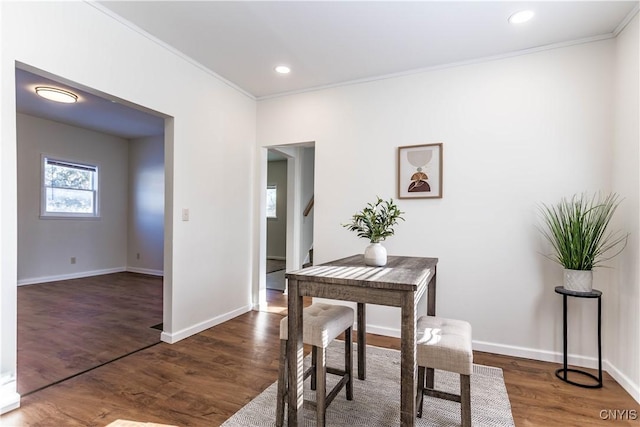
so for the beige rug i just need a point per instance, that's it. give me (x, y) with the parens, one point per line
(376, 400)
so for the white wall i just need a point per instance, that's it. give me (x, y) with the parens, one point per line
(211, 137)
(622, 296)
(516, 132)
(45, 246)
(146, 205)
(131, 204)
(277, 227)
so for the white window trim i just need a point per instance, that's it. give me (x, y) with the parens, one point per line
(68, 215)
(273, 187)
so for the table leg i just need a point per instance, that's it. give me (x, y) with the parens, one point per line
(599, 342)
(294, 356)
(564, 336)
(362, 341)
(431, 294)
(563, 373)
(408, 365)
(431, 311)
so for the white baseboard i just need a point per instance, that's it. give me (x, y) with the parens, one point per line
(535, 354)
(172, 338)
(556, 357)
(145, 271)
(81, 274)
(381, 330)
(624, 381)
(78, 275)
(9, 398)
(507, 350)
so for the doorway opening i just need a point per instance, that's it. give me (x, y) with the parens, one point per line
(90, 289)
(276, 205)
(287, 220)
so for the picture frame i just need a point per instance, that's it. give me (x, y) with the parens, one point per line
(420, 171)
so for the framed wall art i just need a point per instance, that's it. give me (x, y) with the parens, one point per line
(420, 171)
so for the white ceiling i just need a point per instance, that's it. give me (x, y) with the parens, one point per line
(325, 44)
(90, 112)
(335, 42)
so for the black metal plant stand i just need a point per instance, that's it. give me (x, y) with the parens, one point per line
(565, 370)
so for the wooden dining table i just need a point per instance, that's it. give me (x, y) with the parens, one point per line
(402, 282)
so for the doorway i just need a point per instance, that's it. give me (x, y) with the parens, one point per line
(288, 173)
(91, 254)
(276, 205)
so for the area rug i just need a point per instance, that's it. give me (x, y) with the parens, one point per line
(275, 265)
(376, 400)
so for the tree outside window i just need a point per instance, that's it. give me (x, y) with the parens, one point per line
(69, 189)
(272, 199)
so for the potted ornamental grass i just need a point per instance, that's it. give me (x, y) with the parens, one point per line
(577, 229)
(375, 223)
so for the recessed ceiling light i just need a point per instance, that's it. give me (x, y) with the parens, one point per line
(283, 69)
(57, 95)
(521, 17)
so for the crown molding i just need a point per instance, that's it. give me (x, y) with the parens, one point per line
(623, 24)
(164, 45)
(445, 66)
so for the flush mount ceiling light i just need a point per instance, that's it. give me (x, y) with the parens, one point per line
(282, 69)
(521, 17)
(57, 95)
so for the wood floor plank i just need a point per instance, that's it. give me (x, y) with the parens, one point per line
(206, 378)
(69, 326)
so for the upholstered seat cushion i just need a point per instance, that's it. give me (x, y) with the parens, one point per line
(322, 323)
(444, 344)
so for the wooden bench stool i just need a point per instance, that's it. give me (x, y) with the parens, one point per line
(322, 323)
(445, 344)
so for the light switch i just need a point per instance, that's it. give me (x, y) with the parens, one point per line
(185, 214)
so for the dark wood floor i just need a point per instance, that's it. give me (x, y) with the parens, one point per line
(70, 326)
(206, 378)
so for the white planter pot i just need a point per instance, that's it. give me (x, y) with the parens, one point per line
(375, 255)
(578, 280)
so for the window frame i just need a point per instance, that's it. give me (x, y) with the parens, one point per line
(275, 213)
(45, 159)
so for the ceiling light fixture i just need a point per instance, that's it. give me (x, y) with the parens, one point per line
(57, 95)
(521, 17)
(282, 69)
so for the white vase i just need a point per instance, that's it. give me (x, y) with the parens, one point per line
(578, 280)
(375, 255)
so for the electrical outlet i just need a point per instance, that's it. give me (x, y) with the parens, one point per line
(185, 214)
(73, 260)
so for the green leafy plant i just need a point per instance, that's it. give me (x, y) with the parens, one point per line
(577, 230)
(376, 221)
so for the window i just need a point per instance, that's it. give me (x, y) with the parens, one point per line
(272, 199)
(69, 189)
